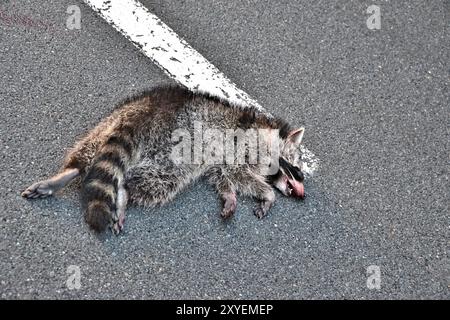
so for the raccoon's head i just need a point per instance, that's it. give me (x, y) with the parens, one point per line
(289, 178)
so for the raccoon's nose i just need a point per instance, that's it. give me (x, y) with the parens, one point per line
(300, 192)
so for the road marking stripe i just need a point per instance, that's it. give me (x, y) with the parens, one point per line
(175, 56)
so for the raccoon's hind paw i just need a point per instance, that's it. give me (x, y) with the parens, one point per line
(118, 225)
(116, 228)
(41, 189)
(119, 216)
(48, 187)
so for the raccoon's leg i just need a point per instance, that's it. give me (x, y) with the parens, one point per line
(226, 190)
(229, 201)
(48, 187)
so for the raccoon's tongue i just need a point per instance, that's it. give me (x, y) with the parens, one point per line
(298, 190)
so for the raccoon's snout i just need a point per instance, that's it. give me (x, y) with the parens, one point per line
(290, 187)
(290, 179)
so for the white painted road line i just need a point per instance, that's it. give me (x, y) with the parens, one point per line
(175, 56)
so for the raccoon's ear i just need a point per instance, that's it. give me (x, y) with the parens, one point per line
(296, 136)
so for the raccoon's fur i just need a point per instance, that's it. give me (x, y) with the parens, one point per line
(127, 157)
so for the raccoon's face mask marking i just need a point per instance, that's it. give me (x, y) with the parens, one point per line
(289, 178)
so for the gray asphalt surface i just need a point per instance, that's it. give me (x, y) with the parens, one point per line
(375, 105)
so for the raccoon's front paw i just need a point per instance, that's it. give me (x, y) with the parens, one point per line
(39, 189)
(259, 212)
(229, 208)
(229, 205)
(262, 209)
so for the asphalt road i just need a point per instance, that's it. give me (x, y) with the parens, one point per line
(375, 104)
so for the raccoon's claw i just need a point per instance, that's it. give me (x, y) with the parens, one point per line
(118, 225)
(263, 208)
(39, 189)
(228, 212)
(259, 212)
(116, 228)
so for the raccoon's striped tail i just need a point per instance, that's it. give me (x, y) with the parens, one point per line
(103, 180)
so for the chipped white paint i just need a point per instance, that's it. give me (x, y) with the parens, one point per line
(174, 55)
(310, 161)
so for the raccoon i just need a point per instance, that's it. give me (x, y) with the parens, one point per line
(128, 157)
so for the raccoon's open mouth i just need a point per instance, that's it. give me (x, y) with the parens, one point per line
(291, 179)
(295, 188)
